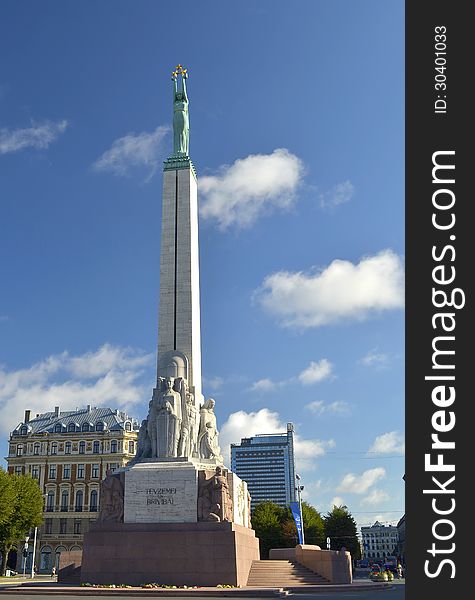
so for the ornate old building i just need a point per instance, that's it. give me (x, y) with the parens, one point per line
(69, 453)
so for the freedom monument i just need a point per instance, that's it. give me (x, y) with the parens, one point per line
(175, 515)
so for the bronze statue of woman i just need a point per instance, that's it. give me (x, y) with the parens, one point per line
(181, 122)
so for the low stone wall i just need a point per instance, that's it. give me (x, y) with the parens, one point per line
(69, 570)
(333, 565)
(282, 554)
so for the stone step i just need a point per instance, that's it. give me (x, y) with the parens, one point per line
(281, 573)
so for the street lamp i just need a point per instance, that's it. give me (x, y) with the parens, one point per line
(299, 489)
(34, 554)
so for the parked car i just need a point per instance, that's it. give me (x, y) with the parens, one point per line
(363, 564)
(375, 569)
(391, 567)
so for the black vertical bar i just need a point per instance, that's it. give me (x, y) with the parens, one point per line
(438, 509)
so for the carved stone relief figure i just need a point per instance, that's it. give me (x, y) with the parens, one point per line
(168, 418)
(144, 444)
(112, 498)
(189, 431)
(208, 446)
(214, 498)
(249, 524)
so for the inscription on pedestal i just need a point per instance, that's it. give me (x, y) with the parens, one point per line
(161, 494)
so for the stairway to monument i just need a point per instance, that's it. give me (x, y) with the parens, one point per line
(282, 573)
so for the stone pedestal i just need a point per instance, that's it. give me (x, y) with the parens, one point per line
(162, 491)
(205, 554)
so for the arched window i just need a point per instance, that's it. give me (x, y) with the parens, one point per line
(96, 447)
(24, 430)
(64, 501)
(71, 427)
(131, 447)
(100, 426)
(50, 501)
(54, 448)
(36, 449)
(114, 446)
(79, 500)
(57, 552)
(93, 501)
(82, 447)
(58, 428)
(45, 559)
(128, 426)
(85, 427)
(67, 448)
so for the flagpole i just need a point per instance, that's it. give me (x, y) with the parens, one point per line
(299, 489)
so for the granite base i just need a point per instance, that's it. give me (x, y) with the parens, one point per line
(203, 554)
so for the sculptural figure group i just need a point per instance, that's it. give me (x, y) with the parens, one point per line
(214, 497)
(175, 428)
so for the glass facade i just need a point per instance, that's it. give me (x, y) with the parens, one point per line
(266, 462)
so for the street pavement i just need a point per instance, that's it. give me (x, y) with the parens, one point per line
(396, 592)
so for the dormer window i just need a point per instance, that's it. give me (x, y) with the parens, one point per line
(128, 426)
(85, 427)
(71, 427)
(58, 428)
(24, 430)
(100, 426)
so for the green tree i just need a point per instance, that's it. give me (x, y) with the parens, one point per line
(314, 527)
(7, 496)
(267, 520)
(341, 528)
(27, 512)
(275, 526)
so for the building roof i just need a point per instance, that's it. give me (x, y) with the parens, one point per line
(113, 420)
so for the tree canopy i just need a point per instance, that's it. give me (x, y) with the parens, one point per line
(341, 528)
(21, 509)
(275, 526)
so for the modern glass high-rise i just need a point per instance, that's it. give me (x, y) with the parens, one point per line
(266, 462)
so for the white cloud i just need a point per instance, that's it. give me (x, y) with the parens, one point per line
(214, 383)
(38, 136)
(360, 484)
(336, 501)
(242, 192)
(319, 407)
(242, 424)
(306, 451)
(316, 371)
(342, 290)
(109, 376)
(266, 385)
(375, 359)
(132, 151)
(388, 443)
(375, 497)
(339, 194)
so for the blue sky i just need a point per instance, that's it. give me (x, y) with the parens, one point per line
(297, 133)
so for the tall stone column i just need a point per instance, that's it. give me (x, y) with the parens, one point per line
(179, 338)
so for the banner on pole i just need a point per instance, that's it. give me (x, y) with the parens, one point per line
(295, 508)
